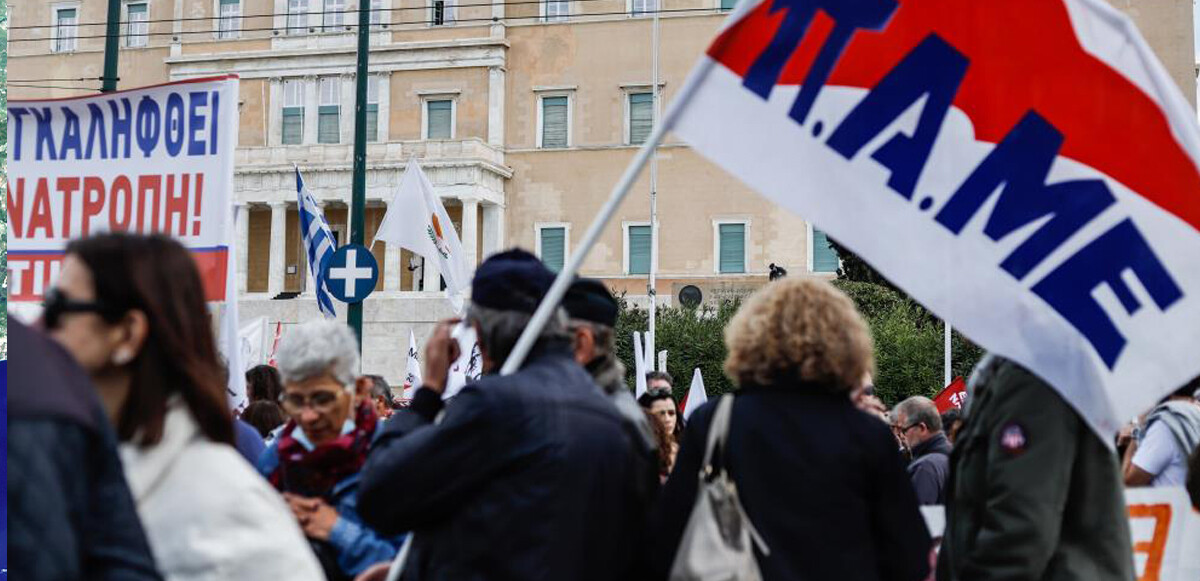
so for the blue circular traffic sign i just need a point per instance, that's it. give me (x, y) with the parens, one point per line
(351, 273)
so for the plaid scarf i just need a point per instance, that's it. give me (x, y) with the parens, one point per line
(314, 473)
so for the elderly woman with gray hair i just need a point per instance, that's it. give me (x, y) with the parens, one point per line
(316, 459)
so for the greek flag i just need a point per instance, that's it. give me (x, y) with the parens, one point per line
(319, 242)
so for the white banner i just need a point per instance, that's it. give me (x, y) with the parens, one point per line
(157, 159)
(1165, 531)
(1037, 189)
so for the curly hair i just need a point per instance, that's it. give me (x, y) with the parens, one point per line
(799, 330)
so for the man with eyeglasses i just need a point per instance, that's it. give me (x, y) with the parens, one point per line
(920, 429)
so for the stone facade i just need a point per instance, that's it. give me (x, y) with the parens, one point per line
(494, 62)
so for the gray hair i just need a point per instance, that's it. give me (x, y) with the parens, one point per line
(605, 336)
(316, 348)
(499, 330)
(919, 409)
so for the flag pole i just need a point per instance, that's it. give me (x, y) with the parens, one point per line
(652, 288)
(567, 274)
(946, 363)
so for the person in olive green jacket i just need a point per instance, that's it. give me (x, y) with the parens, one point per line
(1034, 494)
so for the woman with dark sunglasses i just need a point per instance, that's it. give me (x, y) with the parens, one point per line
(131, 310)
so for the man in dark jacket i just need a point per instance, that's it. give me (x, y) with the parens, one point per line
(525, 476)
(920, 426)
(70, 512)
(1033, 493)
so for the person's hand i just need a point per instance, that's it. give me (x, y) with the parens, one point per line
(294, 502)
(316, 517)
(441, 351)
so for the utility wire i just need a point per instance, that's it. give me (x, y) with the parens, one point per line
(348, 27)
(36, 86)
(324, 12)
(80, 79)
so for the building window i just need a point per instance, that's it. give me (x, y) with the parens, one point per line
(378, 16)
(441, 12)
(439, 119)
(728, 4)
(641, 117)
(333, 15)
(555, 10)
(229, 23)
(297, 17)
(293, 112)
(372, 108)
(637, 249)
(137, 23)
(642, 7)
(731, 247)
(328, 130)
(552, 246)
(824, 258)
(554, 120)
(66, 29)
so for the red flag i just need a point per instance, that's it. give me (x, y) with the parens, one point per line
(953, 396)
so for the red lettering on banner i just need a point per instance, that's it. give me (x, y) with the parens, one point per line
(148, 183)
(42, 218)
(67, 187)
(199, 206)
(120, 185)
(93, 202)
(177, 206)
(16, 209)
(1155, 547)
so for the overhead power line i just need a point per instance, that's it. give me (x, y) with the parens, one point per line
(322, 13)
(348, 27)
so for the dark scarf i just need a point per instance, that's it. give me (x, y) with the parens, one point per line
(314, 473)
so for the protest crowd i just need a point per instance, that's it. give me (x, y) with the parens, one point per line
(128, 464)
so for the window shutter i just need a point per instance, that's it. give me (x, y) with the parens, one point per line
(293, 125)
(732, 248)
(824, 257)
(327, 124)
(554, 245)
(438, 117)
(728, 4)
(641, 117)
(639, 250)
(554, 122)
(372, 122)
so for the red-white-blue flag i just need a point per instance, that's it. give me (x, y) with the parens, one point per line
(1025, 168)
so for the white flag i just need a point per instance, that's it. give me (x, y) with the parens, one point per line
(696, 396)
(412, 372)
(662, 361)
(466, 367)
(253, 337)
(639, 366)
(417, 220)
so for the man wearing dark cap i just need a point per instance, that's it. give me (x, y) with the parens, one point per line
(525, 476)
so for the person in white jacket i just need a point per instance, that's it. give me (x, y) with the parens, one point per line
(131, 310)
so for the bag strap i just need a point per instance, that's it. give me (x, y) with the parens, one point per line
(718, 433)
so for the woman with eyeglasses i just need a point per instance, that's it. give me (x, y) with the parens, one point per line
(315, 460)
(131, 311)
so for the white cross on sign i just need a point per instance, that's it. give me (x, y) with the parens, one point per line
(351, 273)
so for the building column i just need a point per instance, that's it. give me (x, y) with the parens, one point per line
(278, 256)
(433, 276)
(312, 102)
(242, 224)
(470, 234)
(392, 267)
(275, 112)
(383, 117)
(495, 134)
(493, 229)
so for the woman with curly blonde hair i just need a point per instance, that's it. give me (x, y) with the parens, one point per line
(821, 481)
